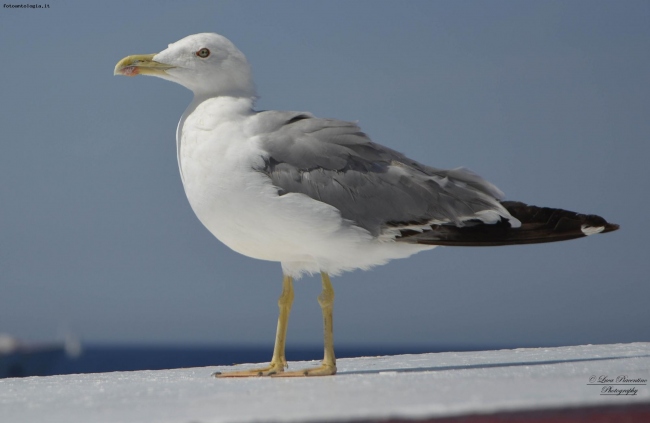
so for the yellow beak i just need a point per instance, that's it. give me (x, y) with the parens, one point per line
(140, 64)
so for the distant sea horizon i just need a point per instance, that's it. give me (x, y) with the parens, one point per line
(101, 358)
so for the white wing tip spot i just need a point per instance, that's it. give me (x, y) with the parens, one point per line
(591, 230)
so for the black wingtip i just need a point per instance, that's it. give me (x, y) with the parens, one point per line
(611, 227)
(538, 225)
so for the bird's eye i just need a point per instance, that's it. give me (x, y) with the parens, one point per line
(203, 53)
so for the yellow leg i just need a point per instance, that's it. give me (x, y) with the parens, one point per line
(328, 367)
(278, 361)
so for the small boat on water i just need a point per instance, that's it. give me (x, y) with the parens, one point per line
(21, 359)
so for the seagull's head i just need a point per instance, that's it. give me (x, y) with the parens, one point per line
(208, 64)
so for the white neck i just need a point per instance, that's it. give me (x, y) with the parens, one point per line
(222, 105)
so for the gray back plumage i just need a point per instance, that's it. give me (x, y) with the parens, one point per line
(377, 188)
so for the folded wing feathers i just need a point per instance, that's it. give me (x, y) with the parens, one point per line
(334, 162)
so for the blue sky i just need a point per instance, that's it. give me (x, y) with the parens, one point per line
(548, 100)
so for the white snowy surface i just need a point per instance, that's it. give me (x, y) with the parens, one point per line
(405, 386)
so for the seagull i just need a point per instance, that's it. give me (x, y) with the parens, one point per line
(317, 195)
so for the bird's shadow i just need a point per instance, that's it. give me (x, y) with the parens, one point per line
(485, 365)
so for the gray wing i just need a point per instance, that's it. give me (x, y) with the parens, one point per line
(377, 188)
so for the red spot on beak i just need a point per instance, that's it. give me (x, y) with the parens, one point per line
(130, 71)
